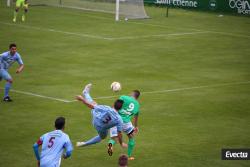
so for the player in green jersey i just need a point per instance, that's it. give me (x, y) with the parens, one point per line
(130, 109)
(21, 3)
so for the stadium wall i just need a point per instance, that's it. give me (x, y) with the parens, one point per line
(240, 7)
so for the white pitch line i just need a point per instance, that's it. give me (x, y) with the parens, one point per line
(178, 89)
(41, 96)
(176, 28)
(201, 30)
(149, 92)
(162, 35)
(230, 34)
(122, 38)
(94, 36)
(189, 28)
(131, 22)
(163, 26)
(197, 87)
(58, 31)
(100, 37)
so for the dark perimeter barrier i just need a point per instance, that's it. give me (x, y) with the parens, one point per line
(238, 7)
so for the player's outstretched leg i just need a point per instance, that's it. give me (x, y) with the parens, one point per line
(94, 140)
(15, 14)
(113, 140)
(131, 145)
(86, 91)
(25, 6)
(6, 91)
(24, 15)
(111, 143)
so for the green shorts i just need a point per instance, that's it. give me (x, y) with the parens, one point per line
(22, 3)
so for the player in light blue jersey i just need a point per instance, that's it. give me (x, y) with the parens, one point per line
(104, 118)
(53, 145)
(6, 60)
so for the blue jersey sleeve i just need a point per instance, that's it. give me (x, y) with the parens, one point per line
(36, 147)
(19, 60)
(69, 148)
(1, 58)
(1, 55)
(4, 54)
(36, 151)
(119, 124)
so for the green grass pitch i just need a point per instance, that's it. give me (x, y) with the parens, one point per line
(202, 60)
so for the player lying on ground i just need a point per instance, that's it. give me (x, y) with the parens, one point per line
(6, 60)
(53, 145)
(129, 110)
(104, 118)
(19, 4)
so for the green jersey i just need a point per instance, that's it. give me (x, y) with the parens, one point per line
(129, 109)
(20, 3)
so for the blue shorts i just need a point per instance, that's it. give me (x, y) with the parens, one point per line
(103, 133)
(4, 75)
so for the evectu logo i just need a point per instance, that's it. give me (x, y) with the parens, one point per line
(235, 154)
(243, 6)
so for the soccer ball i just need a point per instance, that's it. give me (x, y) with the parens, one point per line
(116, 86)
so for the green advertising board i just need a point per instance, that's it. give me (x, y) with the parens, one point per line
(241, 7)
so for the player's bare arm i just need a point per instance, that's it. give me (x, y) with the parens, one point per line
(124, 145)
(136, 130)
(20, 69)
(88, 104)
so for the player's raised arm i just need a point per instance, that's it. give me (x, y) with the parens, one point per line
(86, 98)
(86, 102)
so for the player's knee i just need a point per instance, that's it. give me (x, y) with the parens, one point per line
(102, 136)
(131, 134)
(10, 81)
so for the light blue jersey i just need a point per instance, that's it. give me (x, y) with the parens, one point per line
(105, 117)
(6, 60)
(53, 144)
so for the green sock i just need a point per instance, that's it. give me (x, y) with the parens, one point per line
(131, 145)
(15, 14)
(112, 141)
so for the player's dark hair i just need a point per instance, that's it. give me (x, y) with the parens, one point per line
(118, 104)
(59, 123)
(123, 160)
(136, 93)
(12, 45)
